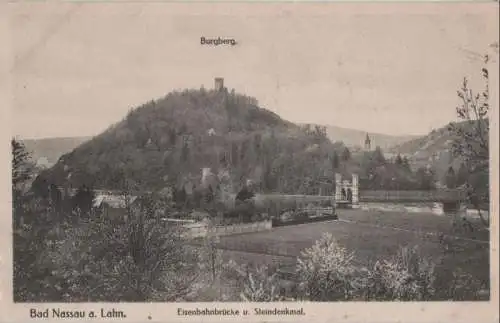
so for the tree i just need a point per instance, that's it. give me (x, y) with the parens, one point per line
(462, 174)
(451, 180)
(83, 200)
(21, 168)
(21, 173)
(319, 134)
(185, 153)
(234, 154)
(406, 163)
(152, 256)
(472, 142)
(244, 145)
(179, 197)
(346, 154)
(40, 187)
(183, 129)
(378, 156)
(172, 136)
(257, 145)
(425, 179)
(335, 161)
(399, 160)
(472, 136)
(55, 196)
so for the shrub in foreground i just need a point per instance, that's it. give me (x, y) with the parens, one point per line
(326, 271)
(407, 276)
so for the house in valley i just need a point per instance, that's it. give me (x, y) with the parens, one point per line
(109, 205)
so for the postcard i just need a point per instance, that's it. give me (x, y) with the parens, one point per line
(262, 162)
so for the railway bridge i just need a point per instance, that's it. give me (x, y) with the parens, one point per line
(348, 194)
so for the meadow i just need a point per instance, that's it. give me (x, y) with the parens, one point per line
(375, 235)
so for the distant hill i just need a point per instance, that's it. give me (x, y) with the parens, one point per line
(356, 138)
(435, 141)
(48, 150)
(433, 149)
(170, 140)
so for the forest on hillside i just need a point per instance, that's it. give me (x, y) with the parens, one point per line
(166, 143)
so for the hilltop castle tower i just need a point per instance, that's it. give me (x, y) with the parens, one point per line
(368, 143)
(219, 84)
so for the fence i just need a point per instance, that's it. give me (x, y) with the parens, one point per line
(287, 201)
(281, 201)
(440, 195)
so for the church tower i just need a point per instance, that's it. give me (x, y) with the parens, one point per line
(367, 143)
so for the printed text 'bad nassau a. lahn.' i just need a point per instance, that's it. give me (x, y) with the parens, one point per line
(60, 313)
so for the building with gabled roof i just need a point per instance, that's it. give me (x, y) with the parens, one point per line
(113, 201)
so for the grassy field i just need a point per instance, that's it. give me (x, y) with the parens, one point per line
(373, 235)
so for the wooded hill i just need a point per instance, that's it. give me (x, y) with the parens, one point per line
(167, 142)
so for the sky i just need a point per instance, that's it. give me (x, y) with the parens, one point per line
(385, 68)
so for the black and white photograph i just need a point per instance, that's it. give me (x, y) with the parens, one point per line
(235, 153)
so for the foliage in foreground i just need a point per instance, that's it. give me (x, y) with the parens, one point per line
(103, 262)
(329, 272)
(326, 271)
(260, 285)
(407, 276)
(471, 140)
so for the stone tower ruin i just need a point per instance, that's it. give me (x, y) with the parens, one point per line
(219, 84)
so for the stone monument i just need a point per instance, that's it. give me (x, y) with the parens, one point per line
(347, 192)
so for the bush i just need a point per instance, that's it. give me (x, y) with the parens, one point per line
(33, 233)
(256, 283)
(406, 277)
(326, 271)
(259, 286)
(28, 244)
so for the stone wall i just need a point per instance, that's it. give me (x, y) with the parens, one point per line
(197, 230)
